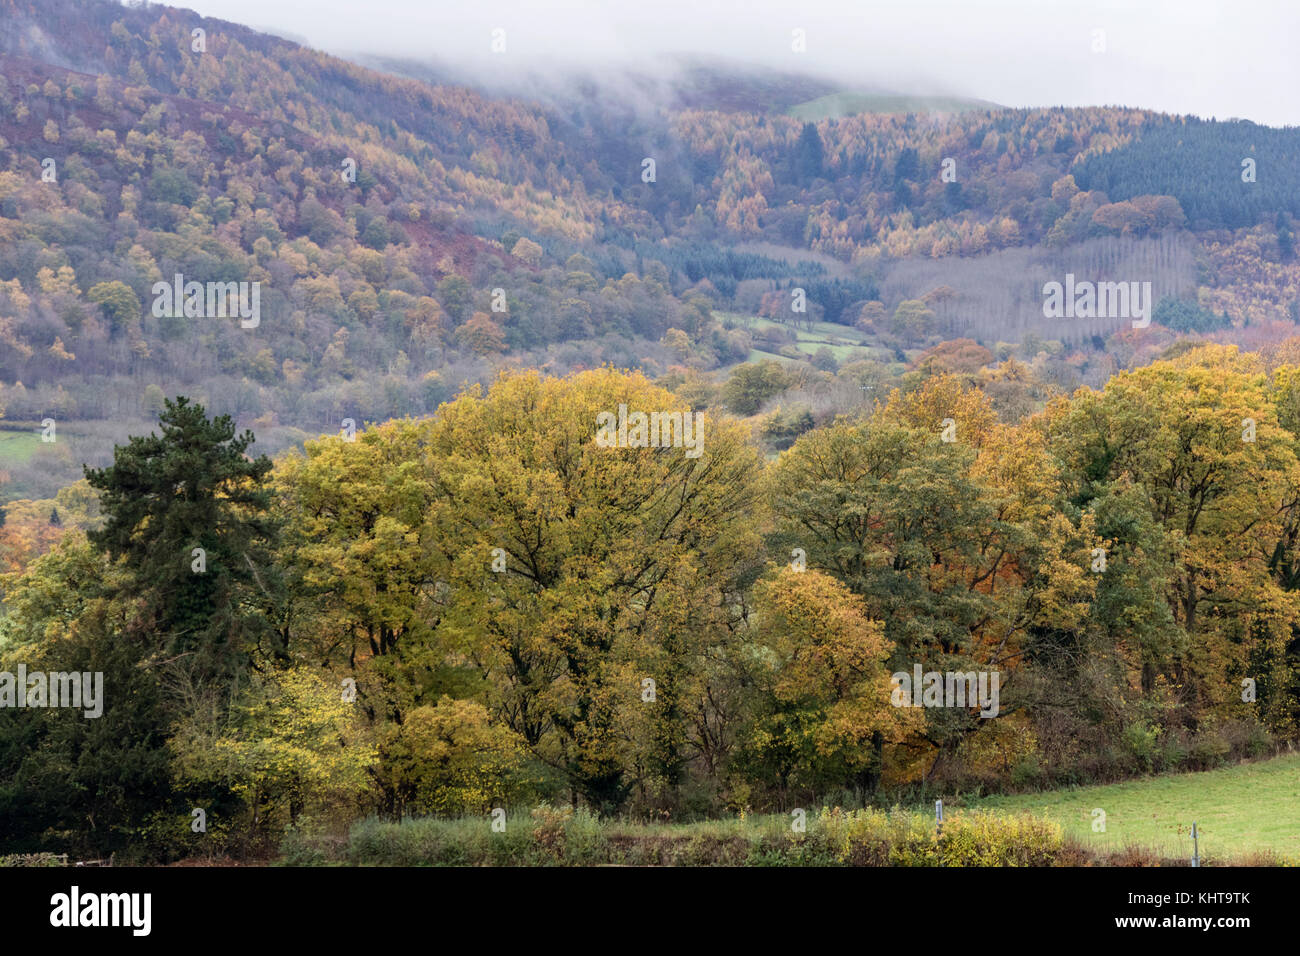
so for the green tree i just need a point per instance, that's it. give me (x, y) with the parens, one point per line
(1183, 316)
(289, 743)
(186, 510)
(69, 782)
(809, 157)
(753, 383)
(454, 296)
(119, 303)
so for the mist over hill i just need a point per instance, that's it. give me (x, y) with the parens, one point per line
(665, 219)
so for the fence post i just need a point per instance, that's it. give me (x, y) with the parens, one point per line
(1196, 852)
(938, 817)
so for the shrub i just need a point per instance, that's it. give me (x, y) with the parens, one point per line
(1247, 738)
(1258, 741)
(169, 835)
(1139, 741)
(32, 859)
(306, 844)
(969, 838)
(562, 837)
(1173, 754)
(585, 843)
(1026, 772)
(1208, 749)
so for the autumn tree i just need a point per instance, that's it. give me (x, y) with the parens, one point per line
(360, 564)
(119, 302)
(289, 743)
(825, 711)
(451, 758)
(481, 335)
(1201, 435)
(576, 572)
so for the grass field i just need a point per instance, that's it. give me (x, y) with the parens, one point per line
(1238, 809)
(844, 342)
(17, 447)
(849, 104)
(1247, 814)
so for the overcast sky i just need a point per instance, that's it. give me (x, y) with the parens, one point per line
(1223, 58)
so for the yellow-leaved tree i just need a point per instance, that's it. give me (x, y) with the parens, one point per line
(578, 572)
(291, 743)
(825, 684)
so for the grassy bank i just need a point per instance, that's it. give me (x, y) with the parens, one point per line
(1246, 814)
(1239, 810)
(560, 837)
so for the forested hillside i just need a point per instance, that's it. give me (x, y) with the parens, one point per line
(407, 238)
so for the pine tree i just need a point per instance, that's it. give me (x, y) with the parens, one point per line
(185, 510)
(809, 155)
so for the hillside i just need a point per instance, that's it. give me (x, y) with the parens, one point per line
(482, 229)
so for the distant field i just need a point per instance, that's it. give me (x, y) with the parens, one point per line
(759, 355)
(847, 104)
(1253, 806)
(844, 342)
(17, 447)
(39, 470)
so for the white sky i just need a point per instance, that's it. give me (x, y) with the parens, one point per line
(1223, 58)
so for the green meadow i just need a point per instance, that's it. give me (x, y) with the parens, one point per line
(1240, 809)
(17, 447)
